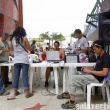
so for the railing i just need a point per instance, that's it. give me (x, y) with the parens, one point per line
(92, 19)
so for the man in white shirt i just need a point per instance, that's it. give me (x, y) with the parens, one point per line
(81, 44)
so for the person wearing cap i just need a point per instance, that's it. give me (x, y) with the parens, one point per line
(96, 75)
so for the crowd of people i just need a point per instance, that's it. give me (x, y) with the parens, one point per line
(18, 46)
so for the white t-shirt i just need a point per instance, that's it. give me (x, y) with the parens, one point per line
(81, 43)
(20, 55)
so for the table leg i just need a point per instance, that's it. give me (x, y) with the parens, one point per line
(31, 72)
(64, 78)
(56, 79)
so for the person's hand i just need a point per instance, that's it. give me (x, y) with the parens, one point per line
(87, 70)
(29, 52)
(78, 49)
(5, 49)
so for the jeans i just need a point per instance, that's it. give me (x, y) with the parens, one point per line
(2, 87)
(17, 70)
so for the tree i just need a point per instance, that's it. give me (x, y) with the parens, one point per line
(45, 36)
(58, 37)
(39, 41)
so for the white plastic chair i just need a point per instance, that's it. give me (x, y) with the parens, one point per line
(104, 84)
(32, 57)
(37, 71)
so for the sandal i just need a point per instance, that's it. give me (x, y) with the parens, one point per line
(28, 95)
(64, 95)
(16, 93)
(68, 105)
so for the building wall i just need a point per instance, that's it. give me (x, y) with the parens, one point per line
(10, 15)
(105, 6)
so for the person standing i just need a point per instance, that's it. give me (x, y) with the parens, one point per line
(33, 46)
(81, 44)
(4, 57)
(3, 90)
(21, 47)
(81, 47)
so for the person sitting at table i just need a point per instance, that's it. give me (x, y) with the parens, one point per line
(49, 69)
(97, 74)
(21, 47)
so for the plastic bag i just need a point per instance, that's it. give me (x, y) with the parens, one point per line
(83, 58)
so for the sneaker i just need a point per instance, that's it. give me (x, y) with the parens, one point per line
(64, 95)
(46, 84)
(68, 105)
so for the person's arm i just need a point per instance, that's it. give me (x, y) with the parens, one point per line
(7, 47)
(27, 45)
(62, 54)
(11, 46)
(82, 49)
(104, 72)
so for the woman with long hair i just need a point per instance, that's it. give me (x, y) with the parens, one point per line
(21, 47)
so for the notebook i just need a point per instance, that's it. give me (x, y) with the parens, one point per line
(53, 56)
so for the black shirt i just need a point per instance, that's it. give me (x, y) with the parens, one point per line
(102, 62)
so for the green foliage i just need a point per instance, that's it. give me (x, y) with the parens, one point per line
(44, 35)
(53, 36)
(58, 37)
(39, 41)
